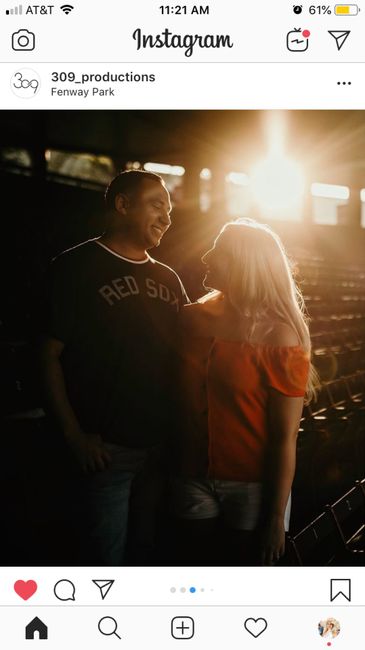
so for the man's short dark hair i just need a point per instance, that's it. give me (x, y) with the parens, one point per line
(127, 182)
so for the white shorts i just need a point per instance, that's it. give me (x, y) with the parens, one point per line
(238, 503)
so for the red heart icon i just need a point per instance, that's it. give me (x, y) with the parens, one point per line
(25, 589)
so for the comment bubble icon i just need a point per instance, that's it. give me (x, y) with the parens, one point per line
(65, 590)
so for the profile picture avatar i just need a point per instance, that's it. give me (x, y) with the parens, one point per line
(23, 40)
(25, 83)
(329, 629)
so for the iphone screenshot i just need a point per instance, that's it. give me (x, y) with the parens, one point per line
(182, 325)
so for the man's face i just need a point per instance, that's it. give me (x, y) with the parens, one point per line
(148, 213)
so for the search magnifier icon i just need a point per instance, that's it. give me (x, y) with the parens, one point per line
(108, 626)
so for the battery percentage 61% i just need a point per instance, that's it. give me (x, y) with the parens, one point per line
(320, 9)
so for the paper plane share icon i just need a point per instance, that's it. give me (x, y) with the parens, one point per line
(104, 586)
(340, 37)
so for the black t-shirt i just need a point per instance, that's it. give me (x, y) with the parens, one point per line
(118, 322)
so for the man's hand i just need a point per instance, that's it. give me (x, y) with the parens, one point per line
(273, 541)
(88, 450)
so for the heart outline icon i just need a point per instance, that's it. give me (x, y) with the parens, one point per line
(25, 588)
(255, 633)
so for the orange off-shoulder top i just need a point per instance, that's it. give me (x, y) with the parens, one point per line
(225, 392)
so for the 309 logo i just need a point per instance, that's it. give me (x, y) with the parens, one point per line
(25, 83)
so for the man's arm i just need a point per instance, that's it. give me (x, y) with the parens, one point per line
(88, 449)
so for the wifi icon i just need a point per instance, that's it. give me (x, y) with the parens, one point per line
(67, 8)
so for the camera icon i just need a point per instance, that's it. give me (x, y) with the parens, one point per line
(23, 40)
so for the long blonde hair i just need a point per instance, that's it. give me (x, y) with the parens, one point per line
(260, 283)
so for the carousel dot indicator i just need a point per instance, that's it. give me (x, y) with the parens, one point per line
(192, 590)
(182, 590)
(173, 589)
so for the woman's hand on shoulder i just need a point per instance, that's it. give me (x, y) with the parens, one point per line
(198, 318)
(191, 317)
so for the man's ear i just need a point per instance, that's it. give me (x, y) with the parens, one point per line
(121, 203)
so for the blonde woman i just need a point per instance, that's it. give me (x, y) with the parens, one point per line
(245, 370)
(332, 628)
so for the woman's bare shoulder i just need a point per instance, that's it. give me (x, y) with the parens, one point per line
(281, 335)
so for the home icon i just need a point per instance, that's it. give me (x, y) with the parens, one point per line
(36, 629)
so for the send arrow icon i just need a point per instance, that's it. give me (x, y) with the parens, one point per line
(340, 37)
(104, 586)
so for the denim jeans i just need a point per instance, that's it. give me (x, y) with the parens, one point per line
(238, 503)
(123, 499)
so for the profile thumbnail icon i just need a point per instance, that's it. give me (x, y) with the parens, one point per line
(329, 629)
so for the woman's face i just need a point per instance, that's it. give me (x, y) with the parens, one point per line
(217, 261)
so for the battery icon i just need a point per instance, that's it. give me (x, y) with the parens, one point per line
(346, 10)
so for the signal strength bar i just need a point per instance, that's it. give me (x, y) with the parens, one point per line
(16, 11)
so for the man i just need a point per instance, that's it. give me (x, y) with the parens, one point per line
(108, 362)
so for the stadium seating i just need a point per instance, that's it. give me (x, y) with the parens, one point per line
(336, 537)
(331, 445)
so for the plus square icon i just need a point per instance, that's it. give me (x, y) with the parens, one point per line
(182, 627)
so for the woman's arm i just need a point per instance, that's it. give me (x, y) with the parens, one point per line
(284, 413)
(284, 416)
